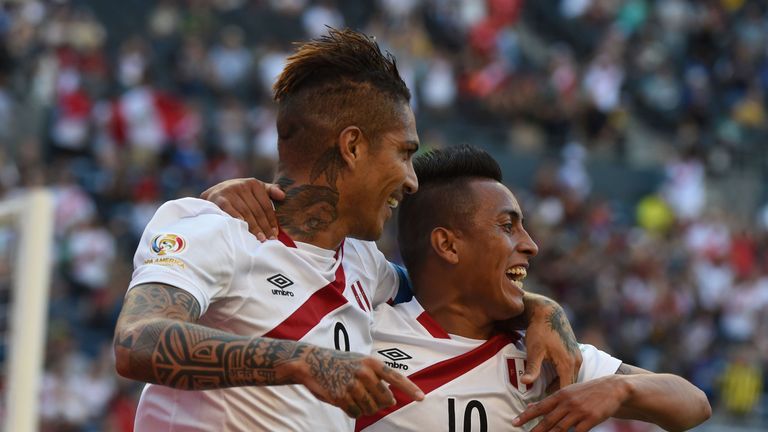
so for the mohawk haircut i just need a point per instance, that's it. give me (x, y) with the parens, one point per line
(338, 80)
(443, 198)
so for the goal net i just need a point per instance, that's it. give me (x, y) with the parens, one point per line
(26, 233)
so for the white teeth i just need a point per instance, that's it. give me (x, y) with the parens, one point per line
(392, 203)
(517, 273)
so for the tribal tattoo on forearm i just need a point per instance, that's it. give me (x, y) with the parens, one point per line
(164, 349)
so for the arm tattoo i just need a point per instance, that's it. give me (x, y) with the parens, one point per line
(559, 324)
(162, 346)
(310, 208)
(334, 370)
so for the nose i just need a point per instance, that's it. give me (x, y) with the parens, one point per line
(411, 184)
(528, 246)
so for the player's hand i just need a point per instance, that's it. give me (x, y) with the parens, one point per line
(549, 337)
(580, 406)
(248, 199)
(353, 382)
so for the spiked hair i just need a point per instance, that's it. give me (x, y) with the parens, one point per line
(338, 80)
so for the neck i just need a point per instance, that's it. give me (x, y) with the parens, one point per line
(309, 212)
(448, 308)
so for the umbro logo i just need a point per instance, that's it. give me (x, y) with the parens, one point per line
(281, 282)
(395, 355)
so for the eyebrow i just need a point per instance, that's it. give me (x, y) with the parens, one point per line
(514, 215)
(412, 145)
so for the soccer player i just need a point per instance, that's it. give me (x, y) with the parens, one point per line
(463, 241)
(269, 328)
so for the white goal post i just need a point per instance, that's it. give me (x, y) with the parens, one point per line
(33, 214)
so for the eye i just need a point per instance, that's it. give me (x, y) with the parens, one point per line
(508, 227)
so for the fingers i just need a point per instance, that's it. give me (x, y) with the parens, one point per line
(249, 214)
(566, 372)
(368, 393)
(227, 207)
(533, 365)
(584, 426)
(534, 410)
(263, 213)
(401, 383)
(555, 421)
(274, 191)
(267, 220)
(363, 399)
(381, 394)
(350, 406)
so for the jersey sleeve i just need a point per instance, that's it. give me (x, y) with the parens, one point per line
(387, 278)
(404, 292)
(188, 244)
(596, 363)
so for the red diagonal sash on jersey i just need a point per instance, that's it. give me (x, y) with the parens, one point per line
(439, 374)
(431, 326)
(324, 301)
(285, 239)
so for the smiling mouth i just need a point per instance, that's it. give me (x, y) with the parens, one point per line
(392, 202)
(516, 275)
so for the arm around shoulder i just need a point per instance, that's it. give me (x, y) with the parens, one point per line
(667, 400)
(632, 393)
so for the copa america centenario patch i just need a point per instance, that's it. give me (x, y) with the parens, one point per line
(166, 244)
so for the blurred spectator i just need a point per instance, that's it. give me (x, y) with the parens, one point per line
(742, 383)
(230, 60)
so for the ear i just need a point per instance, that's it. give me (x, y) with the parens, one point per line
(444, 244)
(352, 145)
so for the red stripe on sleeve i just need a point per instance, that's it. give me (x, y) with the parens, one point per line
(432, 326)
(439, 374)
(308, 315)
(357, 297)
(365, 297)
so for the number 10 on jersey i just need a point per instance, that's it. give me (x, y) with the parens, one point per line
(472, 407)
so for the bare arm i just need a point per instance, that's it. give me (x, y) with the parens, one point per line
(548, 337)
(664, 399)
(157, 341)
(632, 393)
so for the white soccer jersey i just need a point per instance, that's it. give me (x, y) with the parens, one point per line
(278, 289)
(470, 385)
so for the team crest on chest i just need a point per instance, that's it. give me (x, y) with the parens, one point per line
(515, 370)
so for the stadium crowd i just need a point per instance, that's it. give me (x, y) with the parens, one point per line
(118, 108)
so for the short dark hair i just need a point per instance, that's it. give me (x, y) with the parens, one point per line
(332, 82)
(443, 199)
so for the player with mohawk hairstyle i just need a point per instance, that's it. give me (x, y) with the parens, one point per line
(269, 330)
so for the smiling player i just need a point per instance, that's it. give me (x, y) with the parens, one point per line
(467, 251)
